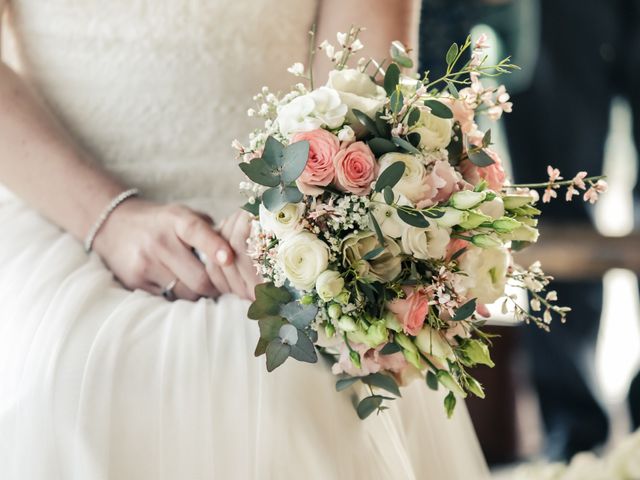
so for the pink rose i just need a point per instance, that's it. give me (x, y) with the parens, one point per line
(411, 311)
(319, 172)
(442, 181)
(356, 168)
(494, 174)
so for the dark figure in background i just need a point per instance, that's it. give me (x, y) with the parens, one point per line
(589, 52)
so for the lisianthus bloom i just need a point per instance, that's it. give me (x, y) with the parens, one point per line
(411, 311)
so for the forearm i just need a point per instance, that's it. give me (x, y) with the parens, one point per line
(41, 164)
(384, 21)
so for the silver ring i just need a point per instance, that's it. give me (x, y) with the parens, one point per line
(167, 292)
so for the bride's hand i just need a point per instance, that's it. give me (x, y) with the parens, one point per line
(241, 275)
(148, 246)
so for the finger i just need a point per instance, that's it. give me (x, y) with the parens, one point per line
(195, 232)
(246, 268)
(218, 278)
(163, 277)
(178, 258)
(232, 272)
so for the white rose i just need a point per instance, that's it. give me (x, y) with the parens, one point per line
(451, 217)
(426, 243)
(303, 257)
(329, 285)
(435, 132)
(486, 270)
(283, 223)
(358, 91)
(312, 111)
(387, 216)
(412, 184)
(494, 208)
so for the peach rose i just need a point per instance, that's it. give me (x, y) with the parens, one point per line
(494, 174)
(411, 311)
(356, 168)
(442, 182)
(319, 172)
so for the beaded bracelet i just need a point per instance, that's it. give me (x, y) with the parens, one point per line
(91, 236)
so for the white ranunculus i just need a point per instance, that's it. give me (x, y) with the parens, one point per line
(486, 270)
(358, 91)
(493, 208)
(283, 223)
(303, 257)
(329, 285)
(311, 111)
(451, 217)
(435, 132)
(412, 184)
(426, 243)
(387, 216)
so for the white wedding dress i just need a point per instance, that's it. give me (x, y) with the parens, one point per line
(97, 382)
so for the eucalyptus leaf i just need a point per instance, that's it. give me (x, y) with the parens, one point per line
(450, 404)
(480, 158)
(377, 229)
(288, 334)
(413, 218)
(299, 315)
(252, 208)
(452, 53)
(465, 311)
(260, 172)
(379, 146)
(295, 158)
(345, 383)
(277, 352)
(486, 139)
(402, 143)
(391, 78)
(413, 117)
(387, 193)
(373, 253)
(268, 301)
(269, 329)
(453, 89)
(272, 152)
(304, 351)
(365, 120)
(396, 101)
(432, 380)
(277, 197)
(368, 405)
(292, 194)
(390, 176)
(390, 349)
(384, 129)
(439, 109)
(383, 381)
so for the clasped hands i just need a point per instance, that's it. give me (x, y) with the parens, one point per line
(150, 246)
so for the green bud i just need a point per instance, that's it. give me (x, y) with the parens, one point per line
(447, 380)
(467, 199)
(532, 222)
(413, 358)
(346, 324)
(451, 218)
(377, 334)
(355, 358)
(329, 330)
(406, 343)
(512, 202)
(477, 352)
(334, 311)
(482, 185)
(474, 220)
(485, 241)
(474, 387)
(306, 300)
(505, 225)
(343, 298)
(391, 321)
(524, 233)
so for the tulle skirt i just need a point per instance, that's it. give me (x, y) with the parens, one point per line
(97, 382)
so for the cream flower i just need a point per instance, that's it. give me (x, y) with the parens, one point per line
(357, 90)
(412, 184)
(321, 107)
(426, 243)
(486, 270)
(383, 268)
(329, 285)
(283, 223)
(303, 257)
(435, 132)
(387, 216)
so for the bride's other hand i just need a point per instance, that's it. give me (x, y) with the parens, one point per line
(242, 275)
(148, 246)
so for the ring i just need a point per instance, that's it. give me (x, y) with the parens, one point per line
(167, 292)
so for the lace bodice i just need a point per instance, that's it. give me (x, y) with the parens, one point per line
(156, 90)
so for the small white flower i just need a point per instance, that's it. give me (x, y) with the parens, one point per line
(535, 305)
(342, 38)
(296, 69)
(329, 285)
(357, 46)
(346, 134)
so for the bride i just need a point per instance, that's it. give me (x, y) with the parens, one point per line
(100, 376)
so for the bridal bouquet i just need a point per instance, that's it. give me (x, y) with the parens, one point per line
(384, 223)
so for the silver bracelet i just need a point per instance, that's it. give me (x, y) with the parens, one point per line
(91, 236)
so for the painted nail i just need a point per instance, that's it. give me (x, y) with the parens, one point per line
(222, 256)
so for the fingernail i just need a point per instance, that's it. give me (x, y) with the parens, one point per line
(222, 256)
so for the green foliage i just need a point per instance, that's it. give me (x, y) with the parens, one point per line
(432, 380)
(299, 315)
(399, 55)
(402, 143)
(368, 123)
(252, 208)
(396, 101)
(465, 311)
(382, 381)
(260, 172)
(277, 352)
(391, 78)
(268, 300)
(303, 350)
(479, 157)
(345, 383)
(377, 229)
(379, 146)
(452, 54)
(277, 197)
(439, 109)
(413, 218)
(390, 176)
(390, 349)
(387, 193)
(373, 253)
(413, 117)
(368, 405)
(450, 404)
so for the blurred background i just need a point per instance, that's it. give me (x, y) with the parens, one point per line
(576, 107)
